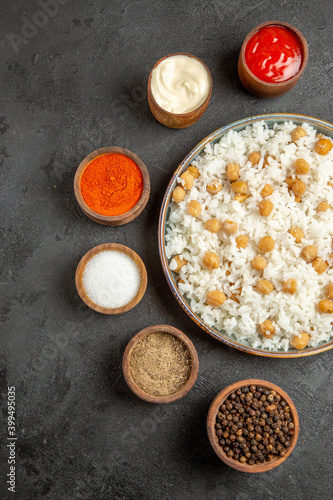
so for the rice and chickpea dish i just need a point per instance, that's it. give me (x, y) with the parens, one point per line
(249, 235)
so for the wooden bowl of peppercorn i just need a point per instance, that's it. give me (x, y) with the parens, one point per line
(253, 425)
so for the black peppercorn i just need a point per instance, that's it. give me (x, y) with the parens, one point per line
(253, 425)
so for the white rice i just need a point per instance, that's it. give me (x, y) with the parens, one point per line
(187, 236)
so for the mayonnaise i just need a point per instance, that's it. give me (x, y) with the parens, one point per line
(180, 84)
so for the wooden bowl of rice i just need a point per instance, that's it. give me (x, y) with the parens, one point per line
(172, 278)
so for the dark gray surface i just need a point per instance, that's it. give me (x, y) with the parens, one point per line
(78, 83)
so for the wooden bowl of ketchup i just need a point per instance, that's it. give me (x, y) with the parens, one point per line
(272, 59)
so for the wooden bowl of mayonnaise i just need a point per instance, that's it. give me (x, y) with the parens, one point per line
(179, 90)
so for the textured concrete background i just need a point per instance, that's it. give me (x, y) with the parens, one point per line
(72, 84)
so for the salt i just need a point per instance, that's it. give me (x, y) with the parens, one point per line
(111, 279)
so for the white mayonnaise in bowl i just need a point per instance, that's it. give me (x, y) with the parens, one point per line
(179, 90)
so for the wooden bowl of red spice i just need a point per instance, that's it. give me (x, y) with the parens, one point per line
(253, 425)
(272, 59)
(112, 186)
(160, 364)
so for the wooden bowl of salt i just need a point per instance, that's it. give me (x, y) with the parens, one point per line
(111, 278)
(160, 364)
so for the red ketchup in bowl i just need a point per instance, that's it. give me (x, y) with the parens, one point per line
(274, 54)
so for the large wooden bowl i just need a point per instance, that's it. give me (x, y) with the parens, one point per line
(265, 89)
(114, 220)
(102, 248)
(211, 421)
(173, 120)
(321, 127)
(127, 372)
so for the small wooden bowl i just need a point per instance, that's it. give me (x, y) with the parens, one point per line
(80, 270)
(266, 89)
(173, 120)
(127, 372)
(211, 421)
(115, 220)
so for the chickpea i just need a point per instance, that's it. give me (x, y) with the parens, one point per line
(323, 147)
(325, 306)
(264, 286)
(301, 166)
(297, 233)
(323, 206)
(180, 263)
(254, 158)
(267, 190)
(309, 253)
(266, 244)
(215, 298)
(193, 171)
(211, 260)
(297, 133)
(267, 329)
(329, 291)
(241, 241)
(300, 341)
(232, 172)
(290, 286)
(178, 194)
(194, 208)
(239, 187)
(319, 265)
(267, 160)
(259, 263)
(241, 197)
(187, 180)
(214, 187)
(213, 225)
(290, 181)
(298, 188)
(265, 208)
(230, 227)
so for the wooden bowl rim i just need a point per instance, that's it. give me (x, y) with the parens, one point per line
(211, 420)
(190, 113)
(112, 219)
(113, 247)
(126, 364)
(302, 41)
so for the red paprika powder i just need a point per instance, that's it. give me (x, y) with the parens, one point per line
(111, 184)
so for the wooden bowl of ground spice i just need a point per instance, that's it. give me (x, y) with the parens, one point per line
(160, 364)
(112, 186)
(253, 425)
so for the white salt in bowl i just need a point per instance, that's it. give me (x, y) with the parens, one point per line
(111, 278)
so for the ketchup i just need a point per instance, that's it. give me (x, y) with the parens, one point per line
(274, 54)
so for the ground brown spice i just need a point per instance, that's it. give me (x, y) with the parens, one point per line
(160, 364)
